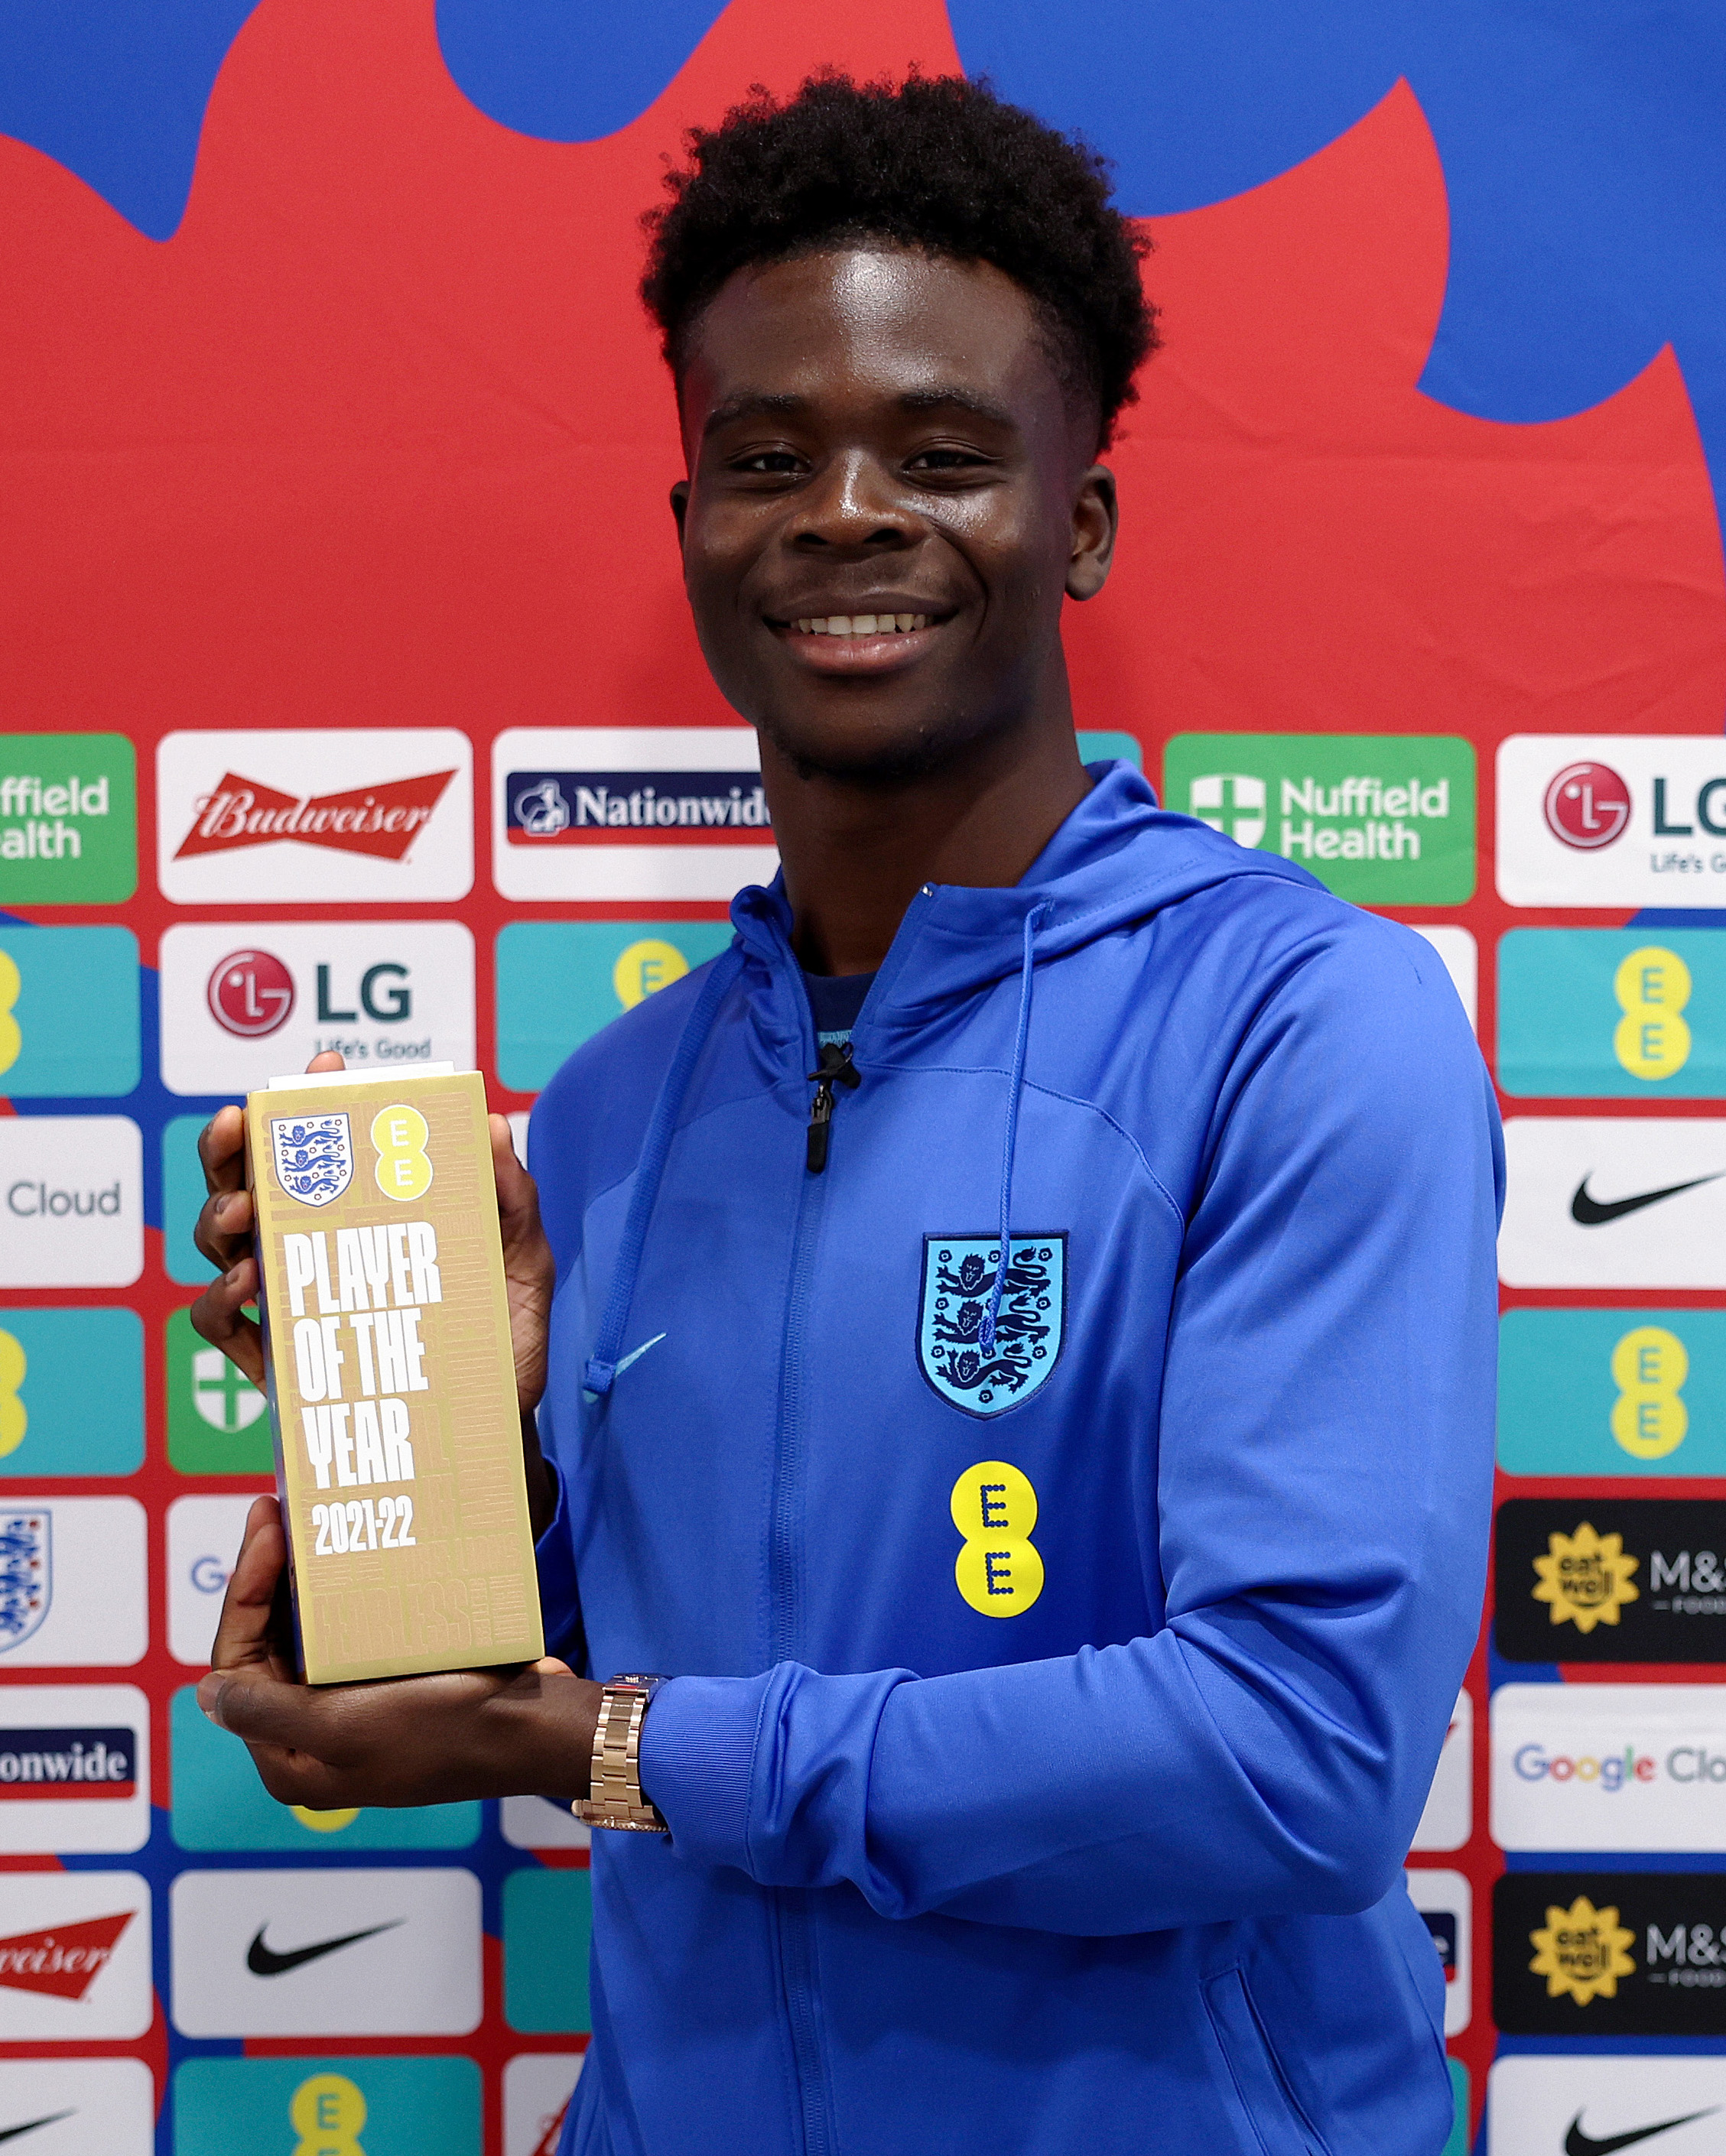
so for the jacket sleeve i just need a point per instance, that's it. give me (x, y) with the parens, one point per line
(1324, 1483)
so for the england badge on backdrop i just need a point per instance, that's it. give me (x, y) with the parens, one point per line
(313, 1156)
(26, 1574)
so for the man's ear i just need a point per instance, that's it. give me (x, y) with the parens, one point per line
(1096, 517)
(680, 506)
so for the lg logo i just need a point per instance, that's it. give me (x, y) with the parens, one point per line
(251, 993)
(1587, 806)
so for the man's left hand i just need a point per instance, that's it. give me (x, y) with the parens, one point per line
(425, 1740)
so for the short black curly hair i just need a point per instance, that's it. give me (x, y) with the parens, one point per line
(942, 165)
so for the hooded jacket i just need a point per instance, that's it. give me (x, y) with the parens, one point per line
(1060, 1649)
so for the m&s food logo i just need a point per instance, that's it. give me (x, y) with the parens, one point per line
(1585, 1578)
(1582, 1952)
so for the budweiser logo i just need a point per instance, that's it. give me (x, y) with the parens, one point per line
(63, 1962)
(382, 820)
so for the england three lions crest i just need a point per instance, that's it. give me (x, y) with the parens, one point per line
(958, 1278)
(26, 1575)
(314, 1156)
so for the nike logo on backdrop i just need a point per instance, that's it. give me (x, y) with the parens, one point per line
(1579, 2143)
(264, 1961)
(53, 2118)
(1593, 1213)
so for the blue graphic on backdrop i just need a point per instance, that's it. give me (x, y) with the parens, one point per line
(1584, 160)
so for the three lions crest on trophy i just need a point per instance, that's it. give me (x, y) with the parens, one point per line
(313, 1156)
(959, 1279)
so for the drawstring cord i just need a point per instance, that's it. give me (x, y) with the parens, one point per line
(986, 1331)
(602, 1363)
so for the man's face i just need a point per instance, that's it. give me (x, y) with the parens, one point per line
(874, 433)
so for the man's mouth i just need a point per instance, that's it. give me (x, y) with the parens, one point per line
(859, 624)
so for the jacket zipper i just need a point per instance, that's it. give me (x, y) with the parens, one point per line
(794, 1928)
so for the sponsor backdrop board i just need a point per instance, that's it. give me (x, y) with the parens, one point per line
(334, 715)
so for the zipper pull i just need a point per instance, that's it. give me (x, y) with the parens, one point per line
(836, 1068)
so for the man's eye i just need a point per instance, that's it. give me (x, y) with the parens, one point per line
(945, 460)
(778, 463)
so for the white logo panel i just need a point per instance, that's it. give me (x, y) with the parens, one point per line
(1456, 947)
(1447, 1901)
(77, 2106)
(539, 850)
(203, 1539)
(71, 1201)
(1612, 819)
(94, 1613)
(1548, 2106)
(75, 1957)
(1609, 1767)
(1448, 1819)
(326, 1954)
(241, 1000)
(536, 2089)
(537, 1823)
(269, 817)
(74, 1769)
(1614, 1201)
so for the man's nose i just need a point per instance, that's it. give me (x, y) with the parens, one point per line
(855, 502)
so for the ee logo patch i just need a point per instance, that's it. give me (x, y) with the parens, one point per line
(645, 968)
(1649, 1417)
(1652, 985)
(327, 2112)
(403, 1171)
(999, 1570)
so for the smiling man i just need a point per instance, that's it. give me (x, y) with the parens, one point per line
(1013, 1338)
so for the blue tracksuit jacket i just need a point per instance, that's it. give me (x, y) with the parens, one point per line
(1060, 1649)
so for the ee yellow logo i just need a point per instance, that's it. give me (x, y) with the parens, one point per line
(1581, 1952)
(1649, 1416)
(646, 968)
(1652, 985)
(1585, 1578)
(12, 1039)
(14, 1415)
(399, 1133)
(325, 1822)
(998, 1570)
(327, 2112)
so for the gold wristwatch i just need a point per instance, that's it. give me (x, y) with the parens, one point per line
(615, 1797)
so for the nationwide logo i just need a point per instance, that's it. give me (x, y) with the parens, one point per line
(1585, 1578)
(68, 1764)
(676, 808)
(63, 1963)
(250, 994)
(1582, 1952)
(1586, 806)
(382, 820)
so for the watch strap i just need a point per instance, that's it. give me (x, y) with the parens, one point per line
(614, 1798)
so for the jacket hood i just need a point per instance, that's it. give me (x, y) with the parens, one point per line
(1117, 858)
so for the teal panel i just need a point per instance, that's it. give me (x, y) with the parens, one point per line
(219, 1803)
(1575, 1021)
(69, 1021)
(71, 1392)
(182, 1196)
(559, 982)
(547, 1926)
(1111, 748)
(332, 2107)
(1457, 2145)
(1557, 1398)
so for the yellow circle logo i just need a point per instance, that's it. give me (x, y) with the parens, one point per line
(1581, 1952)
(999, 1570)
(1649, 1417)
(404, 1169)
(11, 1039)
(1652, 986)
(325, 1822)
(327, 2112)
(645, 968)
(14, 1415)
(1586, 1578)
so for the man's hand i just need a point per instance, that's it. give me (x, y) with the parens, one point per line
(430, 1740)
(224, 1235)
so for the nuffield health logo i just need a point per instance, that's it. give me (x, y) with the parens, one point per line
(313, 1156)
(676, 808)
(958, 1281)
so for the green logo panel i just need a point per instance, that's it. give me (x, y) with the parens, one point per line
(217, 1421)
(1612, 1392)
(219, 1803)
(1602, 1013)
(335, 2107)
(548, 1924)
(71, 1393)
(69, 819)
(559, 982)
(1384, 819)
(68, 1012)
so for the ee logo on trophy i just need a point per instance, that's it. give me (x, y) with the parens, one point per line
(998, 1570)
(403, 1171)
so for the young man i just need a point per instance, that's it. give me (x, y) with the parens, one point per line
(1020, 1364)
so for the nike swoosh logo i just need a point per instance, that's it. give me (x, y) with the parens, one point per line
(636, 1354)
(1589, 1212)
(1579, 2143)
(53, 2118)
(264, 1961)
